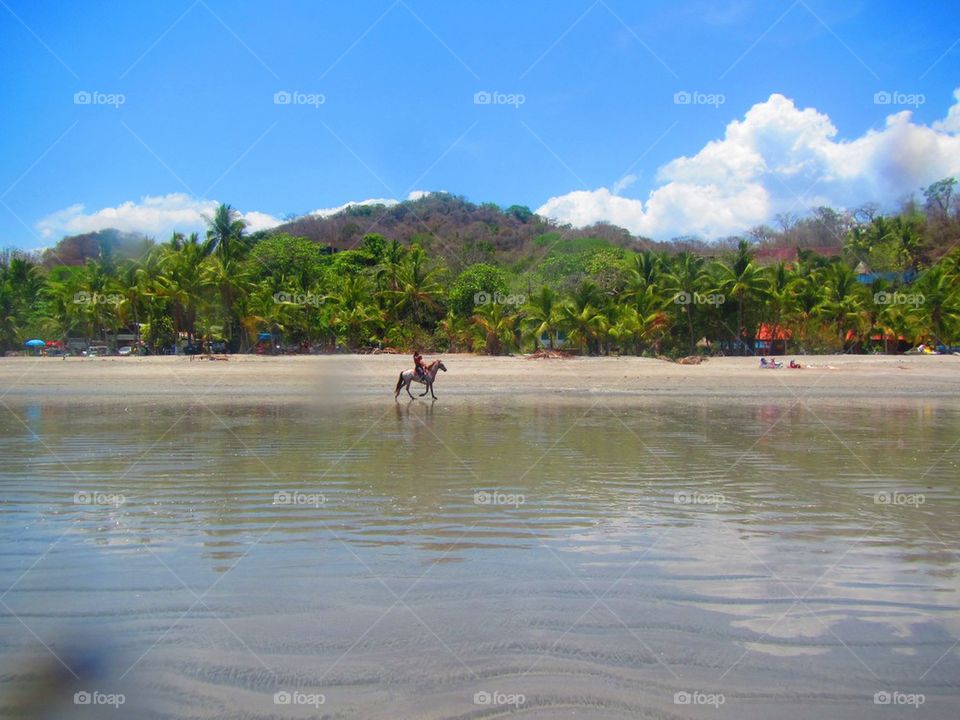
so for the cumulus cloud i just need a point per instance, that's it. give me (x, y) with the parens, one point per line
(156, 215)
(777, 158)
(951, 124)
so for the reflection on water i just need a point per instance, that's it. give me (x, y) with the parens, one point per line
(597, 560)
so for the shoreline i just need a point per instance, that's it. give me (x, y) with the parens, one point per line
(305, 379)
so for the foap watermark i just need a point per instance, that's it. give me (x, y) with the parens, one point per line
(95, 497)
(895, 97)
(86, 97)
(485, 97)
(495, 697)
(94, 298)
(298, 298)
(496, 298)
(295, 97)
(899, 298)
(895, 697)
(685, 97)
(296, 697)
(695, 298)
(899, 499)
(297, 498)
(695, 497)
(696, 697)
(495, 497)
(95, 697)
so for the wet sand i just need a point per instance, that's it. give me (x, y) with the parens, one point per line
(243, 378)
(594, 538)
(787, 560)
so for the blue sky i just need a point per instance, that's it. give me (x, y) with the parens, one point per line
(590, 121)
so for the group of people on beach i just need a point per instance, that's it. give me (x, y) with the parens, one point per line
(772, 364)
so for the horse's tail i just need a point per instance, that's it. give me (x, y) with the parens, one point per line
(396, 390)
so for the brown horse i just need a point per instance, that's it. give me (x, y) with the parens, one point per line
(409, 376)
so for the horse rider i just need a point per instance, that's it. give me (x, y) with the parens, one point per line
(418, 365)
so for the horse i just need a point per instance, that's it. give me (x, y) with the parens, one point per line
(409, 376)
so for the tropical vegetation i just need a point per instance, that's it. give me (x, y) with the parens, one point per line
(501, 281)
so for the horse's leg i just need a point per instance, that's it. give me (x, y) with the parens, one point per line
(431, 392)
(426, 389)
(408, 390)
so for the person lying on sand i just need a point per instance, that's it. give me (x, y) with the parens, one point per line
(771, 364)
(794, 365)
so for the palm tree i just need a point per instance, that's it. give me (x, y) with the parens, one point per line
(353, 314)
(842, 300)
(635, 329)
(229, 278)
(542, 316)
(684, 279)
(418, 289)
(744, 282)
(585, 324)
(645, 269)
(937, 303)
(497, 326)
(9, 320)
(225, 233)
(457, 331)
(182, 280)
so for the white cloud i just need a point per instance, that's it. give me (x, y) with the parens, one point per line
(623, 183)
(777, 158)
(326, 212)
(155, 215)
(388, 202)
(257, 221)
(951, 124)
(160, 215)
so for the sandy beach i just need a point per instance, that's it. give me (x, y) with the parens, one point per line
(243, 378)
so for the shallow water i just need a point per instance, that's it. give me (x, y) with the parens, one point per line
(598, 559)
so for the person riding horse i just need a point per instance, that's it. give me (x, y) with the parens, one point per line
(418, 365)
(421, 373)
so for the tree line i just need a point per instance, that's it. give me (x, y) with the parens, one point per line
(892, 282)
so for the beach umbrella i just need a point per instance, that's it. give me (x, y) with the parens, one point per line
(34, 343)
